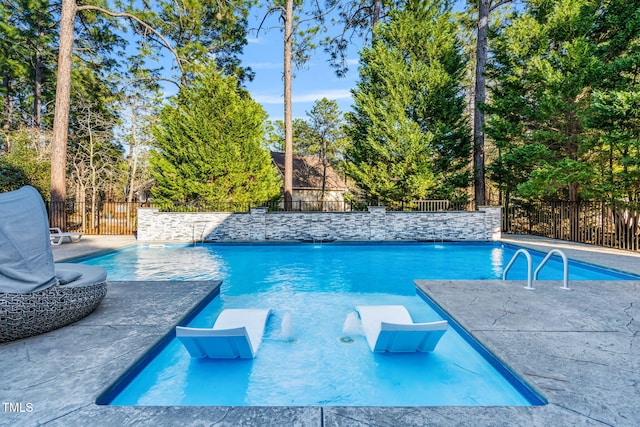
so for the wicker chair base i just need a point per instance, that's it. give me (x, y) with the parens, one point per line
(25, 315)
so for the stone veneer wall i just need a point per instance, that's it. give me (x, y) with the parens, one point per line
(374, 225)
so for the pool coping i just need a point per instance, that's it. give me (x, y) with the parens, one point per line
(54, 379)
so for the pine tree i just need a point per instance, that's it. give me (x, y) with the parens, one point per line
(614, 114)
(300, 23)
(408, 135)
(208, 146)
(557, 118)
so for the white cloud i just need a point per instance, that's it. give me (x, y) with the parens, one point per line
(265, 65)
(331, 94)
(268, 99)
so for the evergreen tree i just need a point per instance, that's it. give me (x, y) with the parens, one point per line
(301, 21)
(326, 139)
(26, 164)
(483, 9)
(208, 146)
(195, 32)
(615, 118)
(302, 135)
(356, 20)
(614, 114)
(408, 136)
(201, 31)
(559, 68)
(26, 62)
(321, 134)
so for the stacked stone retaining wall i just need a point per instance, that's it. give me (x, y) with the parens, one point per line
(374, 225)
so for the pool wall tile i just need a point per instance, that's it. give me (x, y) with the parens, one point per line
(375, 225)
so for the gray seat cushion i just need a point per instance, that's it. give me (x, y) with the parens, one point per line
(79, 274)
(26, 260)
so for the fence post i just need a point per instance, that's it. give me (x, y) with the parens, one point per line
(602, 222)
(98, 216)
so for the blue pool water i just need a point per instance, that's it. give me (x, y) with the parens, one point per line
(388, 267)
(304, 358)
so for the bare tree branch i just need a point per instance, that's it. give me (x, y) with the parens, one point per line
(498, 4)
(142, 23)
(268, 13)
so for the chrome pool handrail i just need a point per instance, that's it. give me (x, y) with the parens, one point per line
(565, 262)
(529, 267)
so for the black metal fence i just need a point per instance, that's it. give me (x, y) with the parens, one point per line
(318, 206)
(117, 218)
(601, 223)
(431, 206)
(120, 218)
(360, 205)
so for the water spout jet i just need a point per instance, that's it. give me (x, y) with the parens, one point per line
(287, 331)
(352, 325)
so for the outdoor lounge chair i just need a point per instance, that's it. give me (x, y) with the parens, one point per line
(36, 294)
(56, 236)
(390, 328)
(237, 333)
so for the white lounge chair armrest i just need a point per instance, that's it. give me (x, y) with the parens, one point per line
(183, 331)
(441, 325)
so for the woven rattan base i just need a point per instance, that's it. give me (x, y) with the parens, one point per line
(25, 315)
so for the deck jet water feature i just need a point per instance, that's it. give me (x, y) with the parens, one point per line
(351, 326)
(287, 331)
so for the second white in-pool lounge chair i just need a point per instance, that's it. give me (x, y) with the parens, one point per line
(390, 328)
(237, 333)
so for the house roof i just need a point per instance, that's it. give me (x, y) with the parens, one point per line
(307, 172)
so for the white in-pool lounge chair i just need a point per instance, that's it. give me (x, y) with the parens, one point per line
(390, 328)
(57, 236)
(237, 332)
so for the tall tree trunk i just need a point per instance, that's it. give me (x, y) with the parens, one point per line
(375, 15)
(480, 98)
(133, 157)
(325, 165)
(62, 105)
(288, 121)
(37, 92)
(8, 110)
(37, 86)
(133, 160)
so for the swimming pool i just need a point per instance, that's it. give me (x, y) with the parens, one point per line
(306, 361)
(390, 267)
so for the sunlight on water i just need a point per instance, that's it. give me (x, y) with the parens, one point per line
(497, 261)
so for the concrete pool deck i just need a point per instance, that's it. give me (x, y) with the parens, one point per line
(578, 348)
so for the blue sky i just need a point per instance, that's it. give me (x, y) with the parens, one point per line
(316, 80)
(264, 54)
